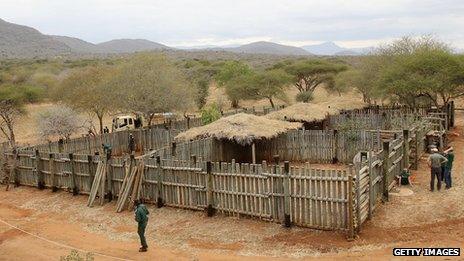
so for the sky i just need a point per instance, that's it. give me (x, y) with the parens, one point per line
(349, 23)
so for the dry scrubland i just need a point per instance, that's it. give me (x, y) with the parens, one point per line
(27, 132)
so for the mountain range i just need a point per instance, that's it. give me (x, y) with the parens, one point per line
(18, 41)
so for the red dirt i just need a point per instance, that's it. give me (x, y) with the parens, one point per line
(423, 219)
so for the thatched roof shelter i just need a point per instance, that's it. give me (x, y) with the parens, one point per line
(242, 128)
(309, 112)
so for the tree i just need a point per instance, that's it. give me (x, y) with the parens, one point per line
(235, 77)
(311, 73)
(12, 101)
(362, 77)
(270, 84)
(200, 73)
(150, 84)
(59, 121)
(414, 69)
(89, 90)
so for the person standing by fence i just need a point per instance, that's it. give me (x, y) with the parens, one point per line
(131, 143)
(141, 216)
(435, 162)
(449, 154)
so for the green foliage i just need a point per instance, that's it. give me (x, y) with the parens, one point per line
(304, 97)
(308, 74)
(75, 256)
(210, 114)
(416, 68)
(236, 77)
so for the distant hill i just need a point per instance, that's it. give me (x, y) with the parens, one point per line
(77, 45)
(331, 48)
(130, 46)
(17, 41)
(327, 48)
(268, 48)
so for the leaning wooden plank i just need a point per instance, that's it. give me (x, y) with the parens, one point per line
(102, 182)
(95, 185)
(127, 189)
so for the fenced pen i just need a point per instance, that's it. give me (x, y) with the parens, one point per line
(191, 175)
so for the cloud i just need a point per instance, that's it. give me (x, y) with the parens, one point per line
(180, 22)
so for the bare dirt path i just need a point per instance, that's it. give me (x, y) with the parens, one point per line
(423, 219)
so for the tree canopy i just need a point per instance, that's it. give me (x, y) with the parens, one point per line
(150, 84)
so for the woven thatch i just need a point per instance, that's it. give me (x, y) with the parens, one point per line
(242, 128)
(308, 112)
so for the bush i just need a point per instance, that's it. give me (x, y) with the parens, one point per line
(304, 97)
(210, 113)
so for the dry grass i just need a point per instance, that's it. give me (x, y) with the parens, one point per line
(242, 128)
(315, 111)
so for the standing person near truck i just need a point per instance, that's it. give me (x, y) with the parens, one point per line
(131, 143)
(435, 162)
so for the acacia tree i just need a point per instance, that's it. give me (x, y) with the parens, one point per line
(150, 84)
(311, 73)
(235, 77)
(89, 90)
(417, 68)
(271, 84)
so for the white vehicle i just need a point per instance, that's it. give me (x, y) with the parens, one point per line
(126, 122)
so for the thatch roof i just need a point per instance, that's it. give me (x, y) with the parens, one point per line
(308, 112)
(242, 128)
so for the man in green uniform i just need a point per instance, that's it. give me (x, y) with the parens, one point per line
(449, 154)
(141, 216)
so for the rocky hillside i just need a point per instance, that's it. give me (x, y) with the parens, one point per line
(268, 48)
(17, 41)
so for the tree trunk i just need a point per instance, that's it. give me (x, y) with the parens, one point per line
(100, 121)
(234, 104)
(12, 136)
(272, 103)
(150, 118)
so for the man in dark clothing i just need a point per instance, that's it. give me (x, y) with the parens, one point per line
(449, 154)
(131, 143)
(435, 163)
(141, 216)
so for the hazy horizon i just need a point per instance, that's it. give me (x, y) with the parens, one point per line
(349, 24)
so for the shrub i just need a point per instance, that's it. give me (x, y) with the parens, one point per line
(304, 97)
(210, 113)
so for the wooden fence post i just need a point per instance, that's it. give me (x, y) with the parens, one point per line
(91, 171)
(335, 147)
(371, 186)
(159, 190)
(51, 168)
(286, 183)
(109, 176)
(173, 149)
(357, 189)
(452, 114)
(350, 191)
(39, 168)
(73, 175)
(17, 182)
(406, 148)
(385, 169)
(209, 190)
(416, 145)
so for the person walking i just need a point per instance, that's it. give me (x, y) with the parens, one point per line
(449, 154)
(435, 162)
(141, 216)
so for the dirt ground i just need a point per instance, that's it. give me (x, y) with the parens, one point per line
(423, 219)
